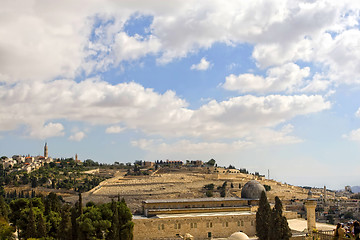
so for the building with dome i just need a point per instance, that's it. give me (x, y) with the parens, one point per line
(238, 236)
(202, 218)
(252, 190)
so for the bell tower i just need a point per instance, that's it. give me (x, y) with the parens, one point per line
(46, 153)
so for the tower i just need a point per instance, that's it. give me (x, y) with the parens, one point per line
(46, 153)
(76, 157)
(310, 205)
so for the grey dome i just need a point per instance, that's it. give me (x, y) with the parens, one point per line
(252, 190)
(310, 194)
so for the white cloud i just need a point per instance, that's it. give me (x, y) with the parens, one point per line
(114, 129)
(46, 131)
(189, 147)
(319, 83)
(341, 55)
(241, 116)
(47, 40)
(279, 79)
(77, 136)
(263, 136)
(131, 105)
(357, 114)
(202, 65)
(354, 135)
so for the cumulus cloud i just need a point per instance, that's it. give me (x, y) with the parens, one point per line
(44, 41)
(77, 136)
(202, 65)
(263, 136)
(354, 135)
(114, 129)
(46, 131)
(357, 114)
(38, 44)
(131, 105)
(279, 79)
(186, 146)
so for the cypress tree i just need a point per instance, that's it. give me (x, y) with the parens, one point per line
(31, 227)
(41, 228)
(80, 204)
(74, 226)
(3, 208)
(65, 224)
(279, 228)
(125, 223)
(115, 226)
(263, 218)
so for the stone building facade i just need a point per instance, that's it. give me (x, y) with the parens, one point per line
(200, 226)
(203, 218)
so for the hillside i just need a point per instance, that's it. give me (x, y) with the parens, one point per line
(182, 183)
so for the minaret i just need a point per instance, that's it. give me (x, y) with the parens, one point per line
(76, 157)
(46, 153)
(310, 204)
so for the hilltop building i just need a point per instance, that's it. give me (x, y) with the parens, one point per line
(26, 163)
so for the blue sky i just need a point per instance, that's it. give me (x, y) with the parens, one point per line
(259, 85)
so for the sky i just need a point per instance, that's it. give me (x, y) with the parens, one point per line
(262, 85)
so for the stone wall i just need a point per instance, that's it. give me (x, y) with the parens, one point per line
(221, 226)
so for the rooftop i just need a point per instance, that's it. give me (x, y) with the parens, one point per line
(300, 225)
(194, 200)
(207, 214)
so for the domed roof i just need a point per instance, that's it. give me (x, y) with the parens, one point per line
(252, 190)
(238, 236)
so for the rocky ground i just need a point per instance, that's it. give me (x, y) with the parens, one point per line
(179, 184)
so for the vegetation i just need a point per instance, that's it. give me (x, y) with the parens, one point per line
(63, 174)
(209, 186)
(355, 196)
(223, 189)
(263, 218)
(209, 193)
(211, 162)
(267, 187)
(271, 224)
(49, 218)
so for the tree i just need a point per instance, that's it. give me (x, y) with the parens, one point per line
(114, 231)
(209, 186)
(223, 192)
(6, 231)
(41, 228)
(80, 204)
(209, 193)
(74, 225)
(31, 227)
(34, 182)
(279, 228)
(211, 162)
(3, 208)
(65, 224)
(267, 187)
(231, 167)
(263, 218)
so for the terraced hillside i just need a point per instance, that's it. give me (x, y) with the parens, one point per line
(181, 183)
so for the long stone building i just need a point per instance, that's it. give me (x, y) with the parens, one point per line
(202, 218)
